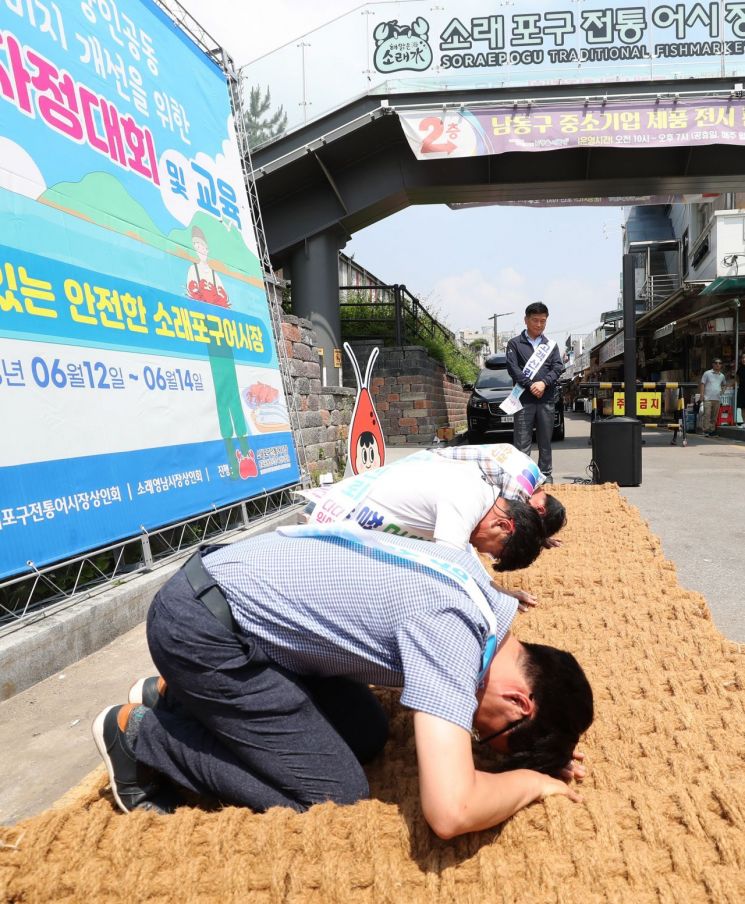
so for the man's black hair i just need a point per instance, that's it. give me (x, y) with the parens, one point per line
(537, 307)
(555, 517)
(366, 439)
(564, 710)
(526, 541)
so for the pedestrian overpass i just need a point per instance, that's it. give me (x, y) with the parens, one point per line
(444, 104)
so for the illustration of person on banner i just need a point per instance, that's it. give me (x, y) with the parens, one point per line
(535, 365)
(203, 284)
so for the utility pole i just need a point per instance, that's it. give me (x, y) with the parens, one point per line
(495, 318)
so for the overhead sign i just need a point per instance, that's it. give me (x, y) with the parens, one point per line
(139, 381)
(719, 325)
(612, 348)
(664, 330)
(496, 129)
(418, 46)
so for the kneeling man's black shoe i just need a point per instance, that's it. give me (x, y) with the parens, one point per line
(133, 785)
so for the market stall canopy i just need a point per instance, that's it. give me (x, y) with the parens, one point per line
(725, 285)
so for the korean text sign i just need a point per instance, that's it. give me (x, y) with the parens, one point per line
(420, 46)
(139, 380)
(648, 404)
(498, 130)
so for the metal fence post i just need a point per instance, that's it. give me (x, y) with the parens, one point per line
(398, 314)
(147, 553)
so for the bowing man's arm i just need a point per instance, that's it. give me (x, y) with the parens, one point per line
(457, 798)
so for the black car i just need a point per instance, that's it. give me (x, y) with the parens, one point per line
(486, 420)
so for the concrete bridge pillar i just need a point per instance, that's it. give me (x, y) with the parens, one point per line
(314, 275)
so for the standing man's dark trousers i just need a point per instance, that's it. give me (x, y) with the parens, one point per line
(237, 727)
(541, 416)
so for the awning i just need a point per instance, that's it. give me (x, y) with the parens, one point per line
(725, 285)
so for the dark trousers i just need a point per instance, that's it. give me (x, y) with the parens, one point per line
(541, 416)
(239, 728)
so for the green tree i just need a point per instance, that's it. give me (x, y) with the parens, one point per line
(261, 124)
(477, 345)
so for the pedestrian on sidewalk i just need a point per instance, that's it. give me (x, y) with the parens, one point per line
(710, 389)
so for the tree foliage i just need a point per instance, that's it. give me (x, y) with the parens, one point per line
(261, 123)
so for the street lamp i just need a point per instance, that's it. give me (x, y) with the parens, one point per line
(495, 318)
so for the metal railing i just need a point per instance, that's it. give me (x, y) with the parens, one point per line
(401, 321)
(40, 592)
(654, 416)
(658, 288)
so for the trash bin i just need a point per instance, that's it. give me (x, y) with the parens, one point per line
(617, 451)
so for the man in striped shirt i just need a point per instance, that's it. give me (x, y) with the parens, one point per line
(267, 648)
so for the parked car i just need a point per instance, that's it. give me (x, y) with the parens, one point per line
(486, 420)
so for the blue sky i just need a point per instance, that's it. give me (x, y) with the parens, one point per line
(469, 264)
(465, 264)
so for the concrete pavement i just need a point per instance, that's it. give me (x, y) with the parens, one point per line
(693, 498)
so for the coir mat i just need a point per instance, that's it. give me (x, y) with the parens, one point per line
(663, 814)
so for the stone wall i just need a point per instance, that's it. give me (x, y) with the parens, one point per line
(414, 395)
(324, 411)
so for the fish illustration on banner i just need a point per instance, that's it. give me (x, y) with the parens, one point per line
(365, 445)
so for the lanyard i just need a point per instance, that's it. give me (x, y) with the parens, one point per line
(375, 540)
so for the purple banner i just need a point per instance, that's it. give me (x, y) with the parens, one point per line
(482, 131)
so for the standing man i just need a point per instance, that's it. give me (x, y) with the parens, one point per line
(534, 363)
(710, 389)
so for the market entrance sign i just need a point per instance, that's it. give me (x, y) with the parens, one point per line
(417, 46)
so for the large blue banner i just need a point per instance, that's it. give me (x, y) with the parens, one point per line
(139, 380)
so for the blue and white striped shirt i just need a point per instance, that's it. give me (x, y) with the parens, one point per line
(327, 607)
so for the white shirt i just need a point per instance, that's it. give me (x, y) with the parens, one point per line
(534, 342)
(712, 383)
(441, 500)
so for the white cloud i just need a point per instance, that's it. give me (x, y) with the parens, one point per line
(466, 300)
(576, 303)
(226, 166)
(18, 172)
(250, 30)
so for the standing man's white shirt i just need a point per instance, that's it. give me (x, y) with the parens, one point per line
(712, 383)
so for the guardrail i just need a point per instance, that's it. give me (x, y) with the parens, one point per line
(401, 321)
(658, 288)
(676, 424)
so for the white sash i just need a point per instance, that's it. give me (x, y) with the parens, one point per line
(375, 540)
(342, 498)
(512, 403)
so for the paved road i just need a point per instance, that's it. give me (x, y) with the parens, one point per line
(693, 498)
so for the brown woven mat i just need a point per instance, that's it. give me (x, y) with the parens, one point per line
(663, 817)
